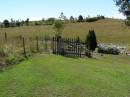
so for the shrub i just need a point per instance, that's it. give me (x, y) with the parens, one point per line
(4, 50)
(27, 22)
(11, 60)
(2, 53)
(18, 23)
(6, 23)
(50, 21)
(58, 27)
(91, 19)
(72, 20)
(127, 22)
(80, 18)
(37, 23)
(100, 17)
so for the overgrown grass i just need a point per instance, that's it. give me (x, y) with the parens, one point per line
(56, 76)
(107, 30)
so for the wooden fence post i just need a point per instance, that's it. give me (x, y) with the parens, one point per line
(24, 49)
(75, 47)
(55, 45)
(37, 43)
(52, 45)
(80, 49)
(5, 36)
(46, 40)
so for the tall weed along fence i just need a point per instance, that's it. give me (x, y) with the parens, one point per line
(23, 46)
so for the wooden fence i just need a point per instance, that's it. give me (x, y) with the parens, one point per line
(29, 45)
(23, 45)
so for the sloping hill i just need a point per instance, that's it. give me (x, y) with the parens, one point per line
(56, 76)
(107, 30)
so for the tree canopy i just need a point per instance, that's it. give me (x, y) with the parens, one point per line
(58, 26)
(6, 23)
(80, 18)
(124, 6)
(72, 19)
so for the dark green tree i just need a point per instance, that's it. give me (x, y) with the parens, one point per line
(91, 41)
(18, 23)
(58, 27)
(6, 23)
(124, 6)
(72, 19)
(22, 22)
(80, 18)
(27, 21)
(50, 21)
(62, 16)
(12, 23)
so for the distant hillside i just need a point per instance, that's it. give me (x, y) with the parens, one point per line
(107, 30)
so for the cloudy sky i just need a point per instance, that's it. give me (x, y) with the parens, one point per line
(38, 9)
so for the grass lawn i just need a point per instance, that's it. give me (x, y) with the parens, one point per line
(57, 76)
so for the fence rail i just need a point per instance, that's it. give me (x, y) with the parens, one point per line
(26, 45)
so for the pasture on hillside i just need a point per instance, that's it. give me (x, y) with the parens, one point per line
(46, 75)
(84, 52)
(107, 31)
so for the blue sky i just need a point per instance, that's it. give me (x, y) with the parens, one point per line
(38, 9)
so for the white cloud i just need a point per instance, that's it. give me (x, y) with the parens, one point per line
(119, 16)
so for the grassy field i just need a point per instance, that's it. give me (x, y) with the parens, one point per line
(57, 76)
(107, 30)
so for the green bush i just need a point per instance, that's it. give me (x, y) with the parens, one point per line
(14, 60)
(127, 22)
(91, 19)
(37, 23)
(50, 21)
(58, 27)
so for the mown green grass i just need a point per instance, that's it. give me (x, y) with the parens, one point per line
(57, 76)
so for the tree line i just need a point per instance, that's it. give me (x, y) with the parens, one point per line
(14, 23)
(50, 21)
(124, 7)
